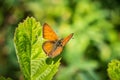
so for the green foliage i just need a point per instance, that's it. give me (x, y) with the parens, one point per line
(33, 61)
(96, 28)
(3, 78)
(114, 70)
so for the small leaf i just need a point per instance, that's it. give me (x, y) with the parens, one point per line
(33, 61)
(114, 70)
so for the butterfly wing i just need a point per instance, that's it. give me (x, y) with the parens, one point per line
(51, 49)
(48, 33)
(56, 52)
(65, 40)
(48, 47)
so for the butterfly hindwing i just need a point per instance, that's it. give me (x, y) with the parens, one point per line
(51, 49)
(48, 47)
(48, 33)
(56, 52)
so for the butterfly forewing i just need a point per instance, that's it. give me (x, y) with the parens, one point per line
(65, 40)
(48, 33)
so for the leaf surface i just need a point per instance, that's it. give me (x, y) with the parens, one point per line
(33, 61)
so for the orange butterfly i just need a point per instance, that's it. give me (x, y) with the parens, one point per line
(53, 46)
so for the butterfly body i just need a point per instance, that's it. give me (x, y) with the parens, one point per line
(53, 46)
(59, 43)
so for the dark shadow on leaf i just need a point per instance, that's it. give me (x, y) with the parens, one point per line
(49, 60)
(56, 58)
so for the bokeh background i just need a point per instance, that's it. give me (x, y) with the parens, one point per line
(96, 41)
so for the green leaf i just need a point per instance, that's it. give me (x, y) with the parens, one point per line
(114, 70)
(3, 78)
(33, 61)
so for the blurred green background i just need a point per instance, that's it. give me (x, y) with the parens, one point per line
(96, 41)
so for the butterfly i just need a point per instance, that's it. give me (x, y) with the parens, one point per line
(53, 46)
